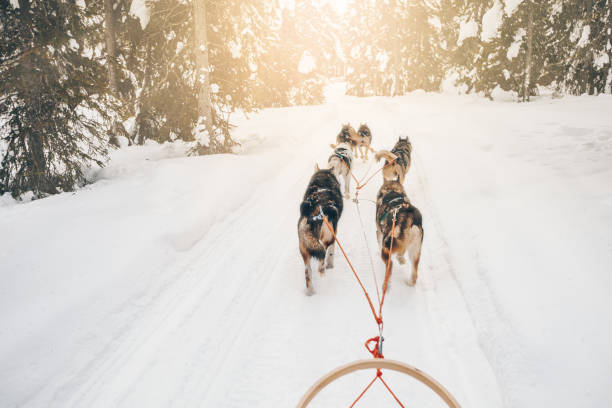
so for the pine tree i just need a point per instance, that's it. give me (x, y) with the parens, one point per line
(474, 59)
(585, 28)
(302, 52)
(363, 72)
(110, 42)
(202, 74)
(526, 41)
(398, 51)
(52, 99)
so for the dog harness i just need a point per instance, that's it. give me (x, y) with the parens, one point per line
(384, 215)
(319, 217)
(342, 154)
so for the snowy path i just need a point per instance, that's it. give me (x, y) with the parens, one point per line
(210, 310)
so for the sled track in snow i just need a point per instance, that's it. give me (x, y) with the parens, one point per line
(441, 264)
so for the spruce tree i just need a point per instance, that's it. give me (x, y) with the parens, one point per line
(53, 108)
(474, 59)
(526, 49)
(585, 31)
(397, 50)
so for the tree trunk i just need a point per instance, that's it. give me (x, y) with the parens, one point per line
(528, 59)
(109, 37)
(396, 67)
(143, 100)
(203, 74)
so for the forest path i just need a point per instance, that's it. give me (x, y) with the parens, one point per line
(227, 322)
(176, 281)
(235, 328)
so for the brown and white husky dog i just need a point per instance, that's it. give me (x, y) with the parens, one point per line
(392, 203)
(364, 140)
(349, 136)
(322, 198)
(340, 163)
(401, 154)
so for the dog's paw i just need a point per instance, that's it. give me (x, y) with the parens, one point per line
(347, 195)
(330, 265)
(410, 281)
(309, 291)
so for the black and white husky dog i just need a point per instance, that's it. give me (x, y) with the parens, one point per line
(322, 198)
(340, 163)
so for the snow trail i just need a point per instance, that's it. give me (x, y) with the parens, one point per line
(209, 308)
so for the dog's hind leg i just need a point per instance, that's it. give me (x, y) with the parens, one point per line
(386, 257)
(307, 271)
(322, 267)
(415, 270)
(347, 183)
(329, 257)
(414, 251)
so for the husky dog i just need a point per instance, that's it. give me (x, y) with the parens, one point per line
(340, 163)
(322, 198)
(347, 135)
(392, 203)
(364, 140)
(401, 154)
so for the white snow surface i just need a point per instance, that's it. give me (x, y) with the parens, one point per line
(584, 37)
(511, 5)
(307, 63)
(515, 47)
(467, 29)
(491, 21)
(177, 281)
(139, 9)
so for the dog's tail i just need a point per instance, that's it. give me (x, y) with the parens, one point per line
(333, 146)
(387, 155)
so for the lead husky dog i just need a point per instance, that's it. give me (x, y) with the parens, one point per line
(364, 140)
(340, 163)
(392, 202)
(322, 198)
(401, 154)
(349, 136)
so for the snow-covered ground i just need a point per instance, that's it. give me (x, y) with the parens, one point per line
(176, 281)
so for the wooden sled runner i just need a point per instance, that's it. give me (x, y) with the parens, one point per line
(378, 363)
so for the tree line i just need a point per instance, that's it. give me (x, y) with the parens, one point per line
(395, 46)
(79, 76)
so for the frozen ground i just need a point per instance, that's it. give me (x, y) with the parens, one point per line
(176, 281)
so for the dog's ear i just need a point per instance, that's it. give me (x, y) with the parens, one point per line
(316, 167)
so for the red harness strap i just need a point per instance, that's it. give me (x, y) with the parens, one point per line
(376, 348)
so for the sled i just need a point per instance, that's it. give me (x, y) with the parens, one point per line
(378, 363)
